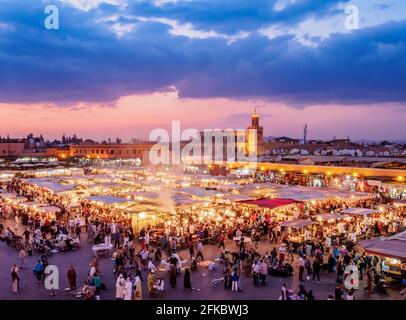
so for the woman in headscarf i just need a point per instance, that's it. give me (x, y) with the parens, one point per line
(186, 280)
(138, 287)
(128, 289)
(120, 287)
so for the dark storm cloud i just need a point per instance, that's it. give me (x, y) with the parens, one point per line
(230, 17)
(86, 61)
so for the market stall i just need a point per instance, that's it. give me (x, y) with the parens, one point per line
(297, 230)
(328, 217)
(270, 203)
(359, 211)
(106, 199)
(399, 203)
(393, 252)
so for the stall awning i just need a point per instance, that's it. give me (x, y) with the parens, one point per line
(107, 199)
(144, 195)
(51, 185)
(51, 209)
(270, 203)
(33, 204)
(198, 192)
(399, 236)
(400, 203)
(12, 197)
(182, 200)
(387, 247)
(297, 224)
(328, 216)
(5, 195)
(237, 197)
(359, 211)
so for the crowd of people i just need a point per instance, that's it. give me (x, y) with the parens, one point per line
(142, 257)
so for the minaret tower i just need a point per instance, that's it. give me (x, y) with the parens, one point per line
(255, 119)
(255, 137)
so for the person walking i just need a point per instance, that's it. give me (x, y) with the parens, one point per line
(256, 269)
(301, 268)
(120, 287)
(172, 276)
(128, 289)
(328, 244)
(340, 271)
(369, 281)
(284, 292)
(78, 231)
(308, 267)
(263, 271)
(191, 250)
(331, 263)
(200, 250)
(138, 286)
(22, 255)
(117, 238)
(234, 278)
(97, 285)
(257, 238)
(90, 233)
(361, 266)
(15, 278)
(187, 285)
(221, 241)
(72, 278)
(227, 277)
(39, 270)
(151, 284)
(316, 270)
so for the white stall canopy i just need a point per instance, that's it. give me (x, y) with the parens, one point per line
(359, 211)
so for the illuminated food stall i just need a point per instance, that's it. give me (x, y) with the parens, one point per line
(393, 252)
(297, 230)
(359, 211)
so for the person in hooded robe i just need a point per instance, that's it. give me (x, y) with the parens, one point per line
(172, 276)
(15, 278)
(138, 287)
(151, 283)
(72, 278)
(187, 285)
(120, 287)
(128, 289)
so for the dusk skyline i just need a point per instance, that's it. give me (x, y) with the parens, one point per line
(123, 68)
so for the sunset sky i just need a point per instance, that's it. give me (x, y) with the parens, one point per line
(121, 68)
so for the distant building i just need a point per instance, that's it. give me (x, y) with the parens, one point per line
(11, 148)
(285, 140)
(32, 142)
(226, 145)
(58, 152)
(111, 151)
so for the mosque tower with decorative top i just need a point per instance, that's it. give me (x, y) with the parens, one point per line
(255, 137)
